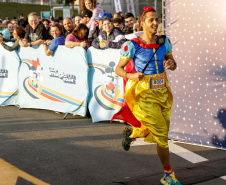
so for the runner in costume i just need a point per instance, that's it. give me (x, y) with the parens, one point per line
(148, 94)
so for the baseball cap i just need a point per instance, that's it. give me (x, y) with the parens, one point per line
(102, 15)
(87, 13)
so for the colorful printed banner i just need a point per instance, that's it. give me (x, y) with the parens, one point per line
(197, 31)
(118, 7)
(9, 64)
(57, 82)
(130, 7)
(106, 88)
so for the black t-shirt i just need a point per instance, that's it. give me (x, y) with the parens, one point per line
(37, 34)
(127, 30)
(65, 32)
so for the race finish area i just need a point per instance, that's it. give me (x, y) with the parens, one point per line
(38, 147)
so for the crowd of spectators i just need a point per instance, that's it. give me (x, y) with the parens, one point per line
(93, 27)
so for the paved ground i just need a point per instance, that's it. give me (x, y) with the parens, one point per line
(39, 147)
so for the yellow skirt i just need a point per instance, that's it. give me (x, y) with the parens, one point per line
(152, 108)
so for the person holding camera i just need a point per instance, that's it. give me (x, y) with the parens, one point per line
(148, 95)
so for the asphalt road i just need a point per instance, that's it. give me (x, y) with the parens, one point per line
(39, 147)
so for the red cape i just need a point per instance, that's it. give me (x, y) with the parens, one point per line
(125, 113)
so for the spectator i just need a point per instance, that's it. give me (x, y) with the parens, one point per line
(1, 27)
(10, 27)
(77, 20)
(46, 23)
(36, 33)
(109, 37)
(18, 34)
(21, 20)
(8, 32)
(86, 16)
(129, 22)
(117, 22)
(68, 26)
(14, 22)
(102, 16)
(97, 26)
(59, 39)
(93, 6)
(4, 23)
(160, 29)
(117, 16)
(21, 16)
(61, 23)
(79, 37)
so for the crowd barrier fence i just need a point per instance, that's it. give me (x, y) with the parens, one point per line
(72, 80)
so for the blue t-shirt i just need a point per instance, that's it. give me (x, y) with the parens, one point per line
(55, 42)
(6, 34)
(2, 30)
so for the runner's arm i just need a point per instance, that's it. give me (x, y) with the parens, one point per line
(120, 71)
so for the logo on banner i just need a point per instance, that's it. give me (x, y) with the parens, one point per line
(36, 90)
(67, 78)
(3, 73)
(108, 95)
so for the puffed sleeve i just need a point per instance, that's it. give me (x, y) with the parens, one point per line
(127, 51)
(168, 46)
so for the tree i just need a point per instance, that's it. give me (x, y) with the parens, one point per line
(67, 2)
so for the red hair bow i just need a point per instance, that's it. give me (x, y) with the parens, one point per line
(147, 9)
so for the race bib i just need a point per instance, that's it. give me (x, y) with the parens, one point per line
(158, 82)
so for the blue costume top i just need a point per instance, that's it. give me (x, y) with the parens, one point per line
(141, 53)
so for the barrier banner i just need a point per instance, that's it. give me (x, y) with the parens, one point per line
(199, 83)
(57, 82)
(9, 64)
(106, 88)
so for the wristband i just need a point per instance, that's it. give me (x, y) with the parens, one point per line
(126, 75)
(30, 44)
(174, 65)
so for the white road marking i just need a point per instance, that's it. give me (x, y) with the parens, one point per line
(140, 142)
(178, 150)
(186, 154)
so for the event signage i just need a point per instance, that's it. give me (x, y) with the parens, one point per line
(130, 7)
(106, 88)
(199, 83)
(57, 82)
(9, 64)
(71, 77)
(118, 7)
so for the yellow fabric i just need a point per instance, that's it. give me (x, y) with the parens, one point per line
(169, 53)
(156, 64)
(108, 33)
(126, 58)
(152, 108)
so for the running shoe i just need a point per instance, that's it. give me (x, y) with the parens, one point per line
(127, 131)
(170, 180)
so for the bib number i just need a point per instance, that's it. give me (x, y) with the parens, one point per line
(158, 82)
